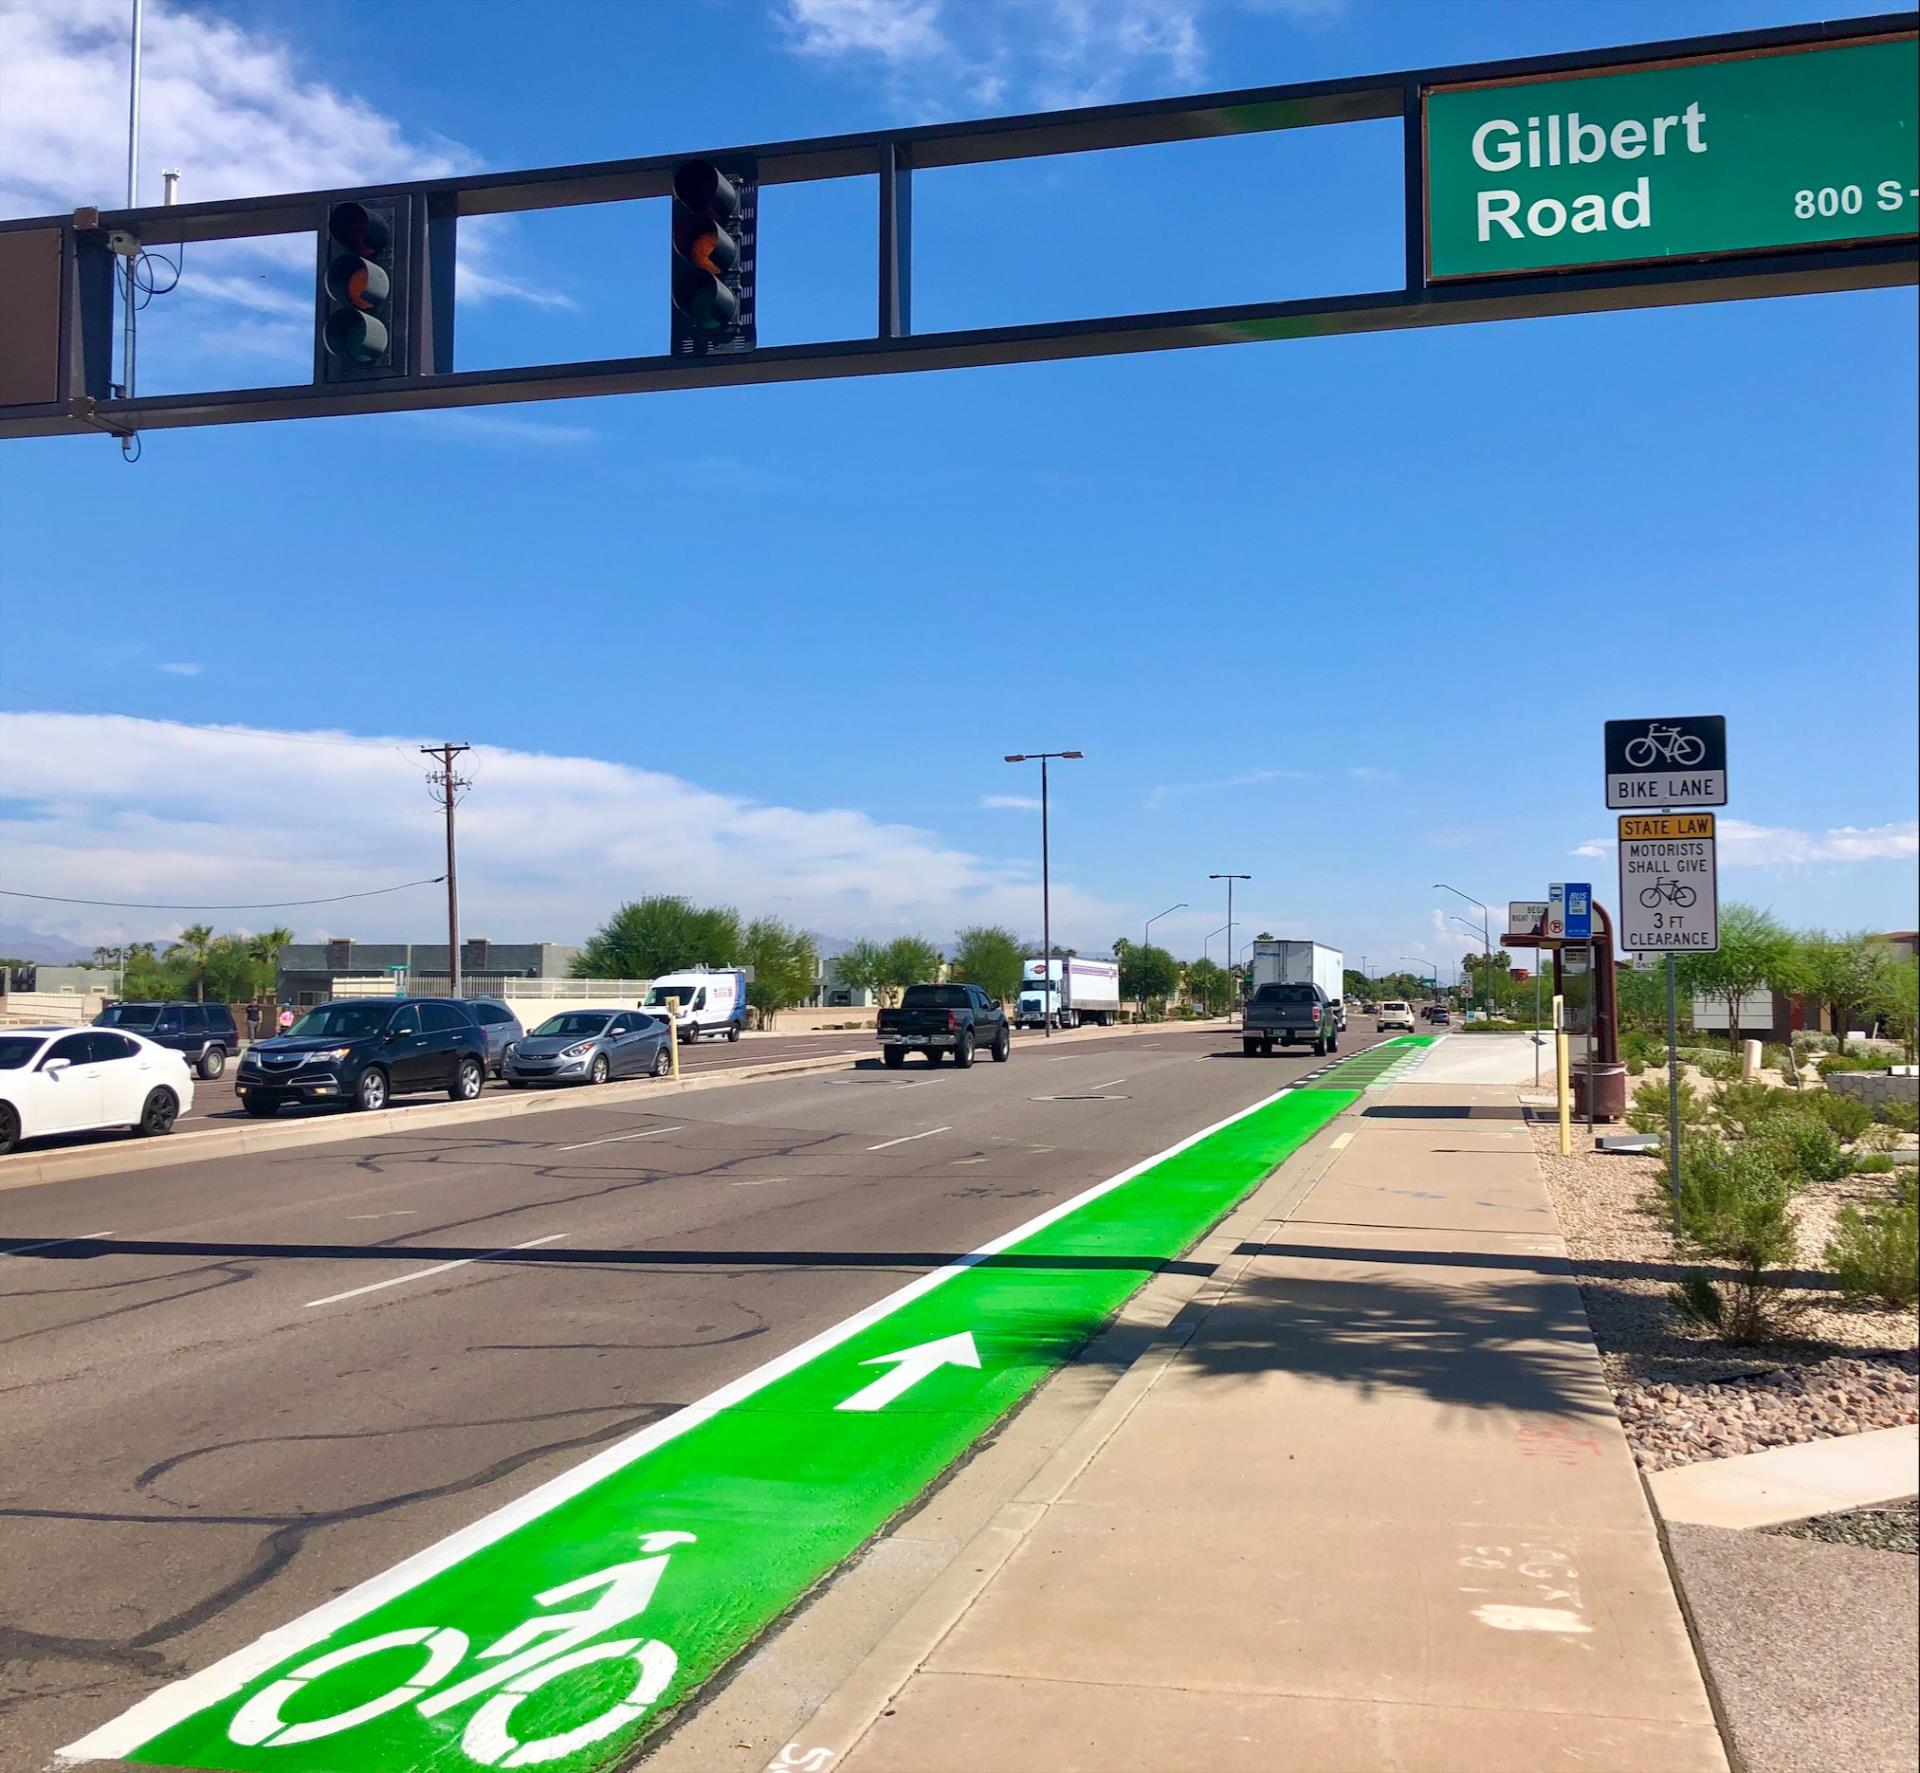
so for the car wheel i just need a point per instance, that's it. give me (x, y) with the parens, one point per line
(933, 1055)
(663, 1063)
(893, 1057)
(212, 1062)
(9, 1128)
(157, 1114)
(1002, 1048)
(963, 1052)
(1266, 1047)
(468, 1081)
(599, 1071)
(733, 1031)
(261, 1110)
(1250, 1047)
(370, 1094)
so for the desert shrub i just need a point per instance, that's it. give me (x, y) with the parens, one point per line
(1846, 1115)
(1855, 1062)
(1903, 1117)
(1809, 1042)
(1747, 1110)
(1719, 1068)
(1647, 1113)
(1779, 1056)
(1649, 1049)
(1877, 1137)
(1808, 1149)
(1874, 1163)
(1876, 1254)
(1735, 1208)
(1636, 1067)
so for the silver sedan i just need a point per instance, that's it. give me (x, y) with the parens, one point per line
(589, 1046)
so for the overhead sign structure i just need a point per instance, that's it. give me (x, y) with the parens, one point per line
(1703, 157)
(1679, 761)
(1569, 911)
(1669, 884)
(1525, 917)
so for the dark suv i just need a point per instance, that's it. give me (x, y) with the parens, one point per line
(366, 1050)
(201, 1033)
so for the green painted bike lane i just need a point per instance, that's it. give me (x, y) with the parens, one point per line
(559, 1629)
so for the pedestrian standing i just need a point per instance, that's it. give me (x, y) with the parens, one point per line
(286, 1017)
(253, 1018)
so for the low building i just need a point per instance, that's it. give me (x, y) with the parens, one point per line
(312, 972)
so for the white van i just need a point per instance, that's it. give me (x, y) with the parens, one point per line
(710, 1001)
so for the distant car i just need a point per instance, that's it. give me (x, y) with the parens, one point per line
(589, 1046)
(936, 1019)
(366, 1051)
(1394, 1014)
(1441, 1014)
(1369, 1007)
(85, 1080)
(498, 1023)
(201, 1033)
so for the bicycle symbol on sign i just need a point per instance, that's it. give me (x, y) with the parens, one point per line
(536, 1652)
(1669, 743)
(1675, 892)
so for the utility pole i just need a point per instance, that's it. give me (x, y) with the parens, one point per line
(449, 789)
(1050, 1009)
(1230, 879)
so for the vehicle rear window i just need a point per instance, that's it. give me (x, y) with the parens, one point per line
(1271, 993)
(936, 997)
(128, 1015)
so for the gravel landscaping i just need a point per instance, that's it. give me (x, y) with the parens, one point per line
(1872, 1529)
(1684, 1395)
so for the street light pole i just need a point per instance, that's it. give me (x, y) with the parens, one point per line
(1146, 941)
(1230, 879)
(1046, 885)
(1486, 934)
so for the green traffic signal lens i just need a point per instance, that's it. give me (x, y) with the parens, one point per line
(357, 337)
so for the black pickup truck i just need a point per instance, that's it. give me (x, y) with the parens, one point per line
(1287, 1013)
(936, 1019)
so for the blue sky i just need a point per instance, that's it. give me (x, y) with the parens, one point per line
(1346, 615)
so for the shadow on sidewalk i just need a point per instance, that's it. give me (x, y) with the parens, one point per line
(1506, 1345)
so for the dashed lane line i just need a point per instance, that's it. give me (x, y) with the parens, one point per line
(908, 1138)
(400, 1280)
(617, 1138)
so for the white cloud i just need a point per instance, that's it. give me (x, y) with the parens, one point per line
(1772, 846)
(228, 105)
(1019, 803)
(1039, 53)
(112, 807)
(1254, 778)
(1746, 845)
(179, 668)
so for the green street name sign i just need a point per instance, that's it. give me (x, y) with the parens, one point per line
(1682, 159)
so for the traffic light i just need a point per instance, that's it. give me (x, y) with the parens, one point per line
(361, 328)
(715, 219)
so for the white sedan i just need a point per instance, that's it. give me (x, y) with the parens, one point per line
(1394, 1015)
(85, 1080)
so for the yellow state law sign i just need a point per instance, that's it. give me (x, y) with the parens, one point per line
(1638, 827)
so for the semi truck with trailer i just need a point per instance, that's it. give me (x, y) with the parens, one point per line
(1068, 992)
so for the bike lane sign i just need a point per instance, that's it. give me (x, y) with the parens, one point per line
(1669, 884)
(1677, 761)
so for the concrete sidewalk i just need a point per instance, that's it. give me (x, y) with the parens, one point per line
(1364, 1506)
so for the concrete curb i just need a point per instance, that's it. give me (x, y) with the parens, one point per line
(26, 1170)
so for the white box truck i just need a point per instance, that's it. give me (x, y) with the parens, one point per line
(1278, 962)
(1068, 992)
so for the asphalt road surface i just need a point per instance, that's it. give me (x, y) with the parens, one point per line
(232, 1389)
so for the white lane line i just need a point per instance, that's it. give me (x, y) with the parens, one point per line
(53, 1243)
(615, 1138)
(1108, 1084)
(909, 1138)
(160, 1711)
(532, 1243)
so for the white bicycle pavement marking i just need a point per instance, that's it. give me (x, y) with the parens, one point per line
(399, 1280)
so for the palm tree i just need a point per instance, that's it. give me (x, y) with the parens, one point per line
(197, 940)
(265, 950)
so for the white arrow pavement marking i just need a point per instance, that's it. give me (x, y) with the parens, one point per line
(911, 1365)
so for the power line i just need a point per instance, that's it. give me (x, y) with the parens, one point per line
(273, 905)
